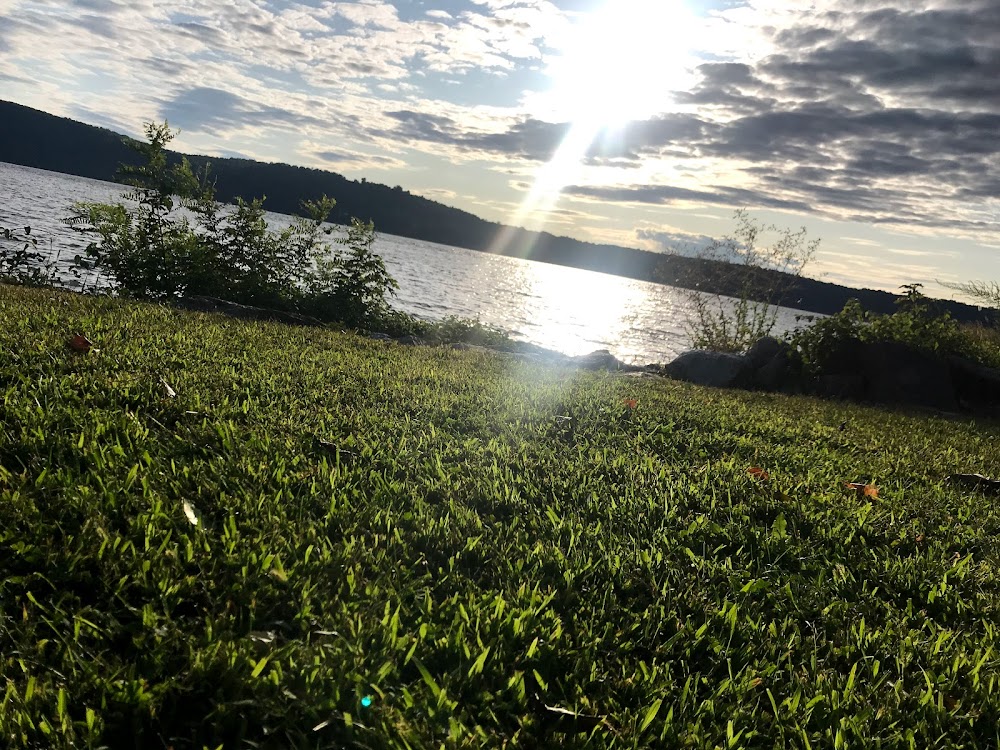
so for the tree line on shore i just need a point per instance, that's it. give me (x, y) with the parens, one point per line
(32, 138)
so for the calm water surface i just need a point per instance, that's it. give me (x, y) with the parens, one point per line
(566, 309)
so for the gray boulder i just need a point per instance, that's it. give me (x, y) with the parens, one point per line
(895, 373)
(975, 384)
(716, 369)
(842, 357)
(841, 386)
(763, 351)
(779, 373)
(771, 366)
(601, 359)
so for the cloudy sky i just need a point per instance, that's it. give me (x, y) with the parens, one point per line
(645, 123)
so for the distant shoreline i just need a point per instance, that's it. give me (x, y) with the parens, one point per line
(36, 139)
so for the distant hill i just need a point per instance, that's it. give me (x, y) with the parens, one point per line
(37, 139)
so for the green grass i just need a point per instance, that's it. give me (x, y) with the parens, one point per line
(471, 542)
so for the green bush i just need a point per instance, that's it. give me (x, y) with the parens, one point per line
(20, 261)
(455, 329)
(153, 251)
(754, 274)
(916, 323)
(983, 342)
(351, 286)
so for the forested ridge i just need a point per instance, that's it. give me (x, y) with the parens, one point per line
(33, 138)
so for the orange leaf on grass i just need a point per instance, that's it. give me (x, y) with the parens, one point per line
(865, 490)
(758, 473)
(79, 343)
(631, 403)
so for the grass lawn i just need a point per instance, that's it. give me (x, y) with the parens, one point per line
(326, 541)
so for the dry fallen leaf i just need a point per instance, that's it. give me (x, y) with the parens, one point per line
(336, 451)
(80, 343)
(170, 392)
(862, 488)
(263, 636)
(564, 720)
(631, 403)
(758, 473)
(327, 446)
(976, 480)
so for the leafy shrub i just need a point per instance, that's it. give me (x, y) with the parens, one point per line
(756, 274)
(916, 322)
(20, 262)
(351, 286)
(982, 343)
(153, 251)
(454, 329)
(723, 325)
(147, 250)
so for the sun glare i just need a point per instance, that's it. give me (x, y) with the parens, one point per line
(621, 64)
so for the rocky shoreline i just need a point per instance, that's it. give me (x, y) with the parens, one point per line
(887, 373)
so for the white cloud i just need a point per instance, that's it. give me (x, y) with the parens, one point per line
(789, 134)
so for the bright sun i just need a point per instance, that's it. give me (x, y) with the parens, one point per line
(623, 61)
(621, 64)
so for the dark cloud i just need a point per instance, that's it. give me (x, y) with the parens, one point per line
(101, 119)
(231, 28)
(207, 35)
(875, 114)
(536, 140)
(105, 7)
(170, 68)
(529, 139)
(666, 195)
(421, 126)
(333, 156)
(204, 108)
(13, 79)
(98, 25)
(733, 86)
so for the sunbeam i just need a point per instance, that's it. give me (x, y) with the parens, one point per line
(622, 65)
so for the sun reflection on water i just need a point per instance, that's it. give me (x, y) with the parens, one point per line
(577, 312)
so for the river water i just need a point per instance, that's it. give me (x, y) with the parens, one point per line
(566, 309)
